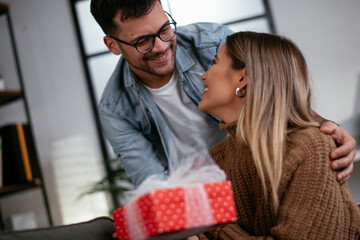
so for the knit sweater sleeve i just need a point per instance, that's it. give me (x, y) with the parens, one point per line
(314, 205)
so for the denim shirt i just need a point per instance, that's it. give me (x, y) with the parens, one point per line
(130, 119)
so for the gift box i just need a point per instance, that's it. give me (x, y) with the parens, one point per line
(176, 213)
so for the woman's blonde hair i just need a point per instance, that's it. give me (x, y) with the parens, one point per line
(278, 99)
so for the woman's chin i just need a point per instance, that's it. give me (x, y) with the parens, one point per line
(202, 107)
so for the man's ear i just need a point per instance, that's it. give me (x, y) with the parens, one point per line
(112, 45)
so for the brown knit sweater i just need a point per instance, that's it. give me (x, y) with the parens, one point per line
(313, 205)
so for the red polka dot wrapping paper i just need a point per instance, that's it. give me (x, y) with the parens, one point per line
(181, 211)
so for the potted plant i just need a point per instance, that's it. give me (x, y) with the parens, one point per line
(116, 184)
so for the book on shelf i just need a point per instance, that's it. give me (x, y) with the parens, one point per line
(18, 155)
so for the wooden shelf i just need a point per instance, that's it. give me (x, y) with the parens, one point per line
(8, 190)
(7, 96)
(3, 8)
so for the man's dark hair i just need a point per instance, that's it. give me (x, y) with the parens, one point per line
(104, 11)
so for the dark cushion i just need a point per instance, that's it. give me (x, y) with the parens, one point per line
(97, 229)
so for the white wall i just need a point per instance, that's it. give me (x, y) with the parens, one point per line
(326, 30)
(328, 33)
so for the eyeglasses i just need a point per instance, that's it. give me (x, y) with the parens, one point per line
(146, 43)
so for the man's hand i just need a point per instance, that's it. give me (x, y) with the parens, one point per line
(343, 156)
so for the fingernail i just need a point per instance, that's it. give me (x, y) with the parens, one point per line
(335, 165)
(340, 176)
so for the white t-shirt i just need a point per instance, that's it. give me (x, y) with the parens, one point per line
(192, 130)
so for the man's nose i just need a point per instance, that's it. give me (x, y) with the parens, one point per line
(159, 45)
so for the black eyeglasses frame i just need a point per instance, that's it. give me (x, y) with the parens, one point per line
(153, 36)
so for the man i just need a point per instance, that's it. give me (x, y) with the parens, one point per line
(149, 107)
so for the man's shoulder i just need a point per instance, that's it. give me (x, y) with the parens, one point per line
(203, 32)
(116, 84)
(201, 27)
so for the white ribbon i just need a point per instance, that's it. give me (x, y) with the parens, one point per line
(135, 229)
(188, 172)
(198, 211)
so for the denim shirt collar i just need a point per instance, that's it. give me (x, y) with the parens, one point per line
(184, 60)
(128, 81)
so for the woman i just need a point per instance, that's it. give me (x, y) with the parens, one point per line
(275, 155)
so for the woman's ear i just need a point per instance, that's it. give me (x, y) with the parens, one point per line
(242, 78)
(112, 45)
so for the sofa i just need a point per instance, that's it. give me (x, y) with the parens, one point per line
(100, 228)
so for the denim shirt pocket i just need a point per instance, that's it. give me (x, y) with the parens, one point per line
(132, 108)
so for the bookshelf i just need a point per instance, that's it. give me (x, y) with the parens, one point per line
(8, 96)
